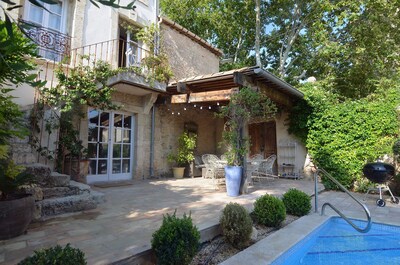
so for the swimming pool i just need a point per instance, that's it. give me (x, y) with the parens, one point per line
(336, 242)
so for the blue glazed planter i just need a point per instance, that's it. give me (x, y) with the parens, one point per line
(233, 177)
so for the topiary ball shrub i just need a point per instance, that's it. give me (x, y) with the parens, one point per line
(296, 202)
(236, 225)
(269, 211)
(56, 255)
(176, 241)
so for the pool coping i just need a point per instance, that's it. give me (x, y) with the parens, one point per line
(265, 252)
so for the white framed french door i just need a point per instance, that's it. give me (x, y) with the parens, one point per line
(110, 145)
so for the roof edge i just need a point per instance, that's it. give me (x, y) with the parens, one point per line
(290, 89)
(190, 35)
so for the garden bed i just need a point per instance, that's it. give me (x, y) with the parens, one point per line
(217, 250)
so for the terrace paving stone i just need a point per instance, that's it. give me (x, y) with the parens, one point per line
(124, 224)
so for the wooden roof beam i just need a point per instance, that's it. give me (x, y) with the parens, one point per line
(211, 96)
(221, 95)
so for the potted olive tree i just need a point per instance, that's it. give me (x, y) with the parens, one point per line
(244, 105)
(184, 154)
(16, 209)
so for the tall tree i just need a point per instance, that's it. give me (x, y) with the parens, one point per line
(227, 24)
(258, 32)
(350, 43)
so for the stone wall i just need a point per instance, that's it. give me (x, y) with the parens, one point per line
(186, 57)
(282, 136)
(169, 127)
(141, 156)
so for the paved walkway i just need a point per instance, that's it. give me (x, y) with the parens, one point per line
(123, 226)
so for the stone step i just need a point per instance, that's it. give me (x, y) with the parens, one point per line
(99, 197)
(45, 178)
(56, 206)
(39, 171)
(73, 188)
(58, 180)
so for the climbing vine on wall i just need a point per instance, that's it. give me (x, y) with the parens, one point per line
(85, 85)
(156, 62)
(343, 134)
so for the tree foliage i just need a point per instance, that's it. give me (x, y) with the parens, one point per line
(351, 43)
(15, 70)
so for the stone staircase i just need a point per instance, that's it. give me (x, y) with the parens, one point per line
(56, 194)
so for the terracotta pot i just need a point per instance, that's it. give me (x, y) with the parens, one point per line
(15, 216)
(178, 172)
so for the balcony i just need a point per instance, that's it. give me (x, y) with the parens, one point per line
(119, 53)
(56, 46)
(52, 44)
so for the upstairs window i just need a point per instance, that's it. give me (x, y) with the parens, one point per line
(47, 29)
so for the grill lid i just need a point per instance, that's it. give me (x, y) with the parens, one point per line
(378, 172)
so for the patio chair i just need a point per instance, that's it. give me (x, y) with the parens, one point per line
(214, 168)
(208, 167)
(265, 170)
(253, 164)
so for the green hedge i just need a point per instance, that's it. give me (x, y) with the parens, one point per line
(343, 134)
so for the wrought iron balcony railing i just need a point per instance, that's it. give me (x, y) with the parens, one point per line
(52, 44)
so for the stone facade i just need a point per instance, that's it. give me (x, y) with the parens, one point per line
(169, 127)
(186, 57)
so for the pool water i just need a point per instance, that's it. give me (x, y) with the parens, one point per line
(336, 242)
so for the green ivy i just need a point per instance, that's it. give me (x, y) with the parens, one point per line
(156, 62)
(343, 134)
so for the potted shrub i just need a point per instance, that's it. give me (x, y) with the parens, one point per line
(184, 154)
(244, 105)
(16, 210)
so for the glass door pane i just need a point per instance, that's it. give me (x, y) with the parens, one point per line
(98, 138)
(109, 145)
(121, 154)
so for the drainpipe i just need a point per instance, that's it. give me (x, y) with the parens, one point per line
(153, 111)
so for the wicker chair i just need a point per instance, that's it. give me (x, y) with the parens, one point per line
(214, 168)
(253, 164)
(265, 170)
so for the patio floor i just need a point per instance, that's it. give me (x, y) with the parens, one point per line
(123, 225)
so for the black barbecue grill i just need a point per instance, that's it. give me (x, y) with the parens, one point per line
(380, 173)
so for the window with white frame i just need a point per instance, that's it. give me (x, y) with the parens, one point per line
(48, 28)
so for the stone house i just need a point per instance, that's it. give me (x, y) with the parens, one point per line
(134, 141)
